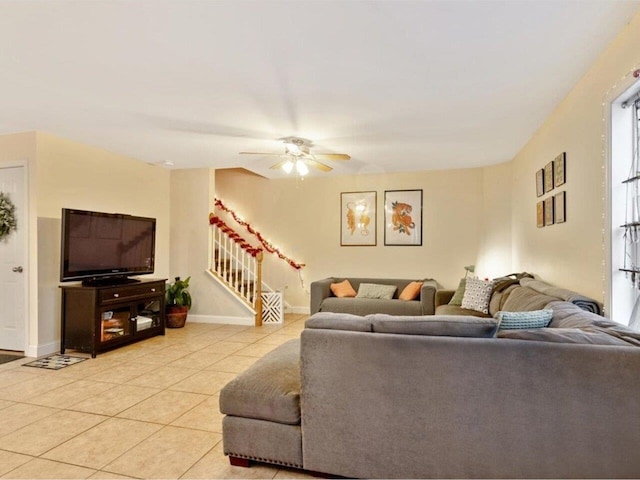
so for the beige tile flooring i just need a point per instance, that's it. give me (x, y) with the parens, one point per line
(147, 410)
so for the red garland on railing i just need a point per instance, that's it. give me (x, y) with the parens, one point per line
(233, 235)
(267, 246)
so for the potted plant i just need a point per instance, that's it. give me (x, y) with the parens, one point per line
(178, 302)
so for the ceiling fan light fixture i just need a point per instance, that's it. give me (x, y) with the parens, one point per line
(297, 156)
(287, 166)
(301, 168)
(293, 149)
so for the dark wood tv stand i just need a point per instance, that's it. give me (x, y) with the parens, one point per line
(102, 317)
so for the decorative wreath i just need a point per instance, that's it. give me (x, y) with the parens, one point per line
(7, 216)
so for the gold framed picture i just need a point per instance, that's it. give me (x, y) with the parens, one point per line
(548, 211)
(540, 182)
(559, 169)
(540, 214)
(548, 177)
(560, 204)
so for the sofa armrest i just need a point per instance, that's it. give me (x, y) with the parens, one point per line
(443, 297)
(427, 298)
(320, 289)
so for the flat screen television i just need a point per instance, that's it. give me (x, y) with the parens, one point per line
(104, 248)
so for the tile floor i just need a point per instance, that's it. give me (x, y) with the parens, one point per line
(147, 410)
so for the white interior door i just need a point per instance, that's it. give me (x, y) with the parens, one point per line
(13, 284)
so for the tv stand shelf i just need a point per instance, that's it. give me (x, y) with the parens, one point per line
(101, 317)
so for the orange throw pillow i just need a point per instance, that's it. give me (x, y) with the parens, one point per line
(343, 289)
(411, 291)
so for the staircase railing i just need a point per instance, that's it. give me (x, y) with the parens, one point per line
(237, 264)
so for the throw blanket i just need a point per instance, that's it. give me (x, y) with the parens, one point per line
(512, 279)
(585, 303)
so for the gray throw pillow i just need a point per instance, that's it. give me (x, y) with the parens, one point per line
(373, 290)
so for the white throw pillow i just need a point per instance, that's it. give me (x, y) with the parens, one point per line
(477, 294)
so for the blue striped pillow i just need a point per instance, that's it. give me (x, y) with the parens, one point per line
(524, 320)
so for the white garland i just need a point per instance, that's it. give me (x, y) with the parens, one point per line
(7, 216)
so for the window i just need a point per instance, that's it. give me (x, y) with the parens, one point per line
(624, 214)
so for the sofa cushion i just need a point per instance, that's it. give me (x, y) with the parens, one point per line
(524, 299)
(568, 315)
(524, 320)
(456, 310)
(436, 325)
(477, 294)
(339, 321)
(499, 298)
(459, 293)
(563, 335)
(342, 289)
(366, 306)
(374, 290)
(411, 291)
(269, 389)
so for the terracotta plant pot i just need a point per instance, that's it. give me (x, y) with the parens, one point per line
(176, 316)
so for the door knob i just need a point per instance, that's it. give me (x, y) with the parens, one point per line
(17, 269)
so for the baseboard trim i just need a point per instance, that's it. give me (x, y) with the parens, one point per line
(37, 351)
(297, 310)
(249, 321)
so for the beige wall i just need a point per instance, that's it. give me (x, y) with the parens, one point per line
(302, 218)
(572, 254)
(73, 175)
(495, 248)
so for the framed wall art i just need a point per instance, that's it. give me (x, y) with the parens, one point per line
(548, 177)
(540, 214)
(559, 169)
(358, 219)
(403, 217)
(560, 204)
(548, 211)
(540, 182)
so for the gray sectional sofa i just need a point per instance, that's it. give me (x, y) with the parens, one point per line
(517, 292)
(443, 397)
(322, 300)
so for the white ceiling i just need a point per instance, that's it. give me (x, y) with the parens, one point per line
(398, 85)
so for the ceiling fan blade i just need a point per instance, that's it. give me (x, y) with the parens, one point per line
(278, 165)
(332, 156)
(260, 153)
(319, 166)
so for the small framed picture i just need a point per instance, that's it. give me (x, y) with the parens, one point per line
(403, 217)
(548, 177)
(548, 211)
(560, 204)
(540, 214)
(540, 182)
(358, 219)
(559, 169)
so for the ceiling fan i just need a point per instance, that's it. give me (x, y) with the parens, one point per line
(297, 155)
